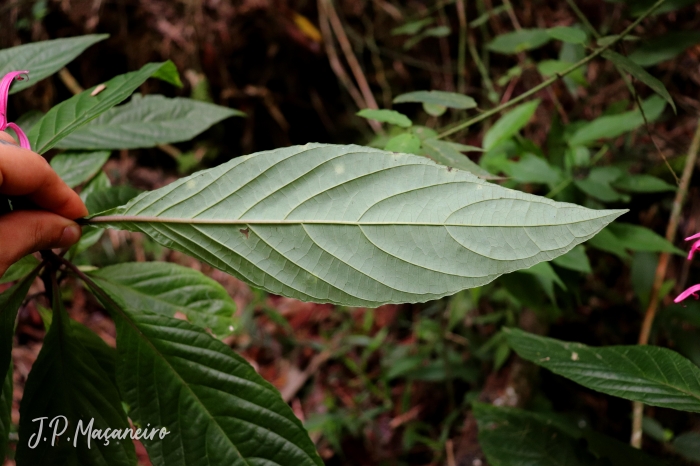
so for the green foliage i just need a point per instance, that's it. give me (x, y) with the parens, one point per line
(167, 289)
(406, 143)
(664, 48)
(449, 154)
(254, 226)
(146, 122)
(440, 98)
(43, 59)
(509, 124)
(81, 390)
(67, 117)
(567, 34)
(386, 116)
(650, 374)
(215, 390)
(79, 167)
(519, 41)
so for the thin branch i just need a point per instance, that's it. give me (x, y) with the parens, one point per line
(462, 50)
(638, 410)
(554, 78)
(70, 82)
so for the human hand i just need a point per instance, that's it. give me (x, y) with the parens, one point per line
(25, 173)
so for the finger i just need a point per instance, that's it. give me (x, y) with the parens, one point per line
(7, 138)
(25, 173)
(25, 232)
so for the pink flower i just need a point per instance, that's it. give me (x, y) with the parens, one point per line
(5, 84)
(693, 290)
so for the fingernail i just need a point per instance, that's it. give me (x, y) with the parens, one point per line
(70, 236)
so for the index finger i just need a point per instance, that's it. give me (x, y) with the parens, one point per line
(25, 173)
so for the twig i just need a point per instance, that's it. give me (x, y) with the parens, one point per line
(70, 82)
(345, 45)
(462, 50)
(638, 409)
(554, 78)
(579, 14)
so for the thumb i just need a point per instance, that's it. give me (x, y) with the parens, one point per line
(25, 232)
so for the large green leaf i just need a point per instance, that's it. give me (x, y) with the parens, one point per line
(639, 73)
(109, 198)
(77, 168)
(167, 288)
(68, 116)
(639, 238)
(354, 225)
(509, 124)
(44, 58)
(650, 374)
(82, 392)
(146, 122)
(212, 401)
(567, 34)
(19, 269)
(611, 126)
(510, 436)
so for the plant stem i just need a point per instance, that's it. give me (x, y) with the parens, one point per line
(462, 52)
(554, 78)
(638, 409)
(581, 17)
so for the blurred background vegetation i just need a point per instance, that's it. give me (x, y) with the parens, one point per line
(396, 385)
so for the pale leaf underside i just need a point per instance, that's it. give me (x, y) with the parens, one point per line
(355, 226)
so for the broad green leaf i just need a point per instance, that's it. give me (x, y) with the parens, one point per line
(663, 48)
(442, 98)
(608, 242)
(643, 184)
(533, 169)
(109, 198)
(405, 143)
(354, 225)
(412, 27)
(598, 184)
(5, 412)
(434, 109)
(146, 122)
(575, 259)
(68, 116)
(615, 125)
(80, 391)
(649, 374)
(567, 34)
(20, 269)
(386, 116)
(546, 276)
(43, 59)
(210, 399)
(510, 436)
(167, 288)
(688, 446)
(77, 168)
(98, 183)
(10, 301)
(448, 154)
(639, 238)
(509, 124)
(641, 74)
(519, 41)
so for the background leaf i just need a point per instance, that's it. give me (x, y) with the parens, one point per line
(666, 47)
(386, 116)
(109, 198)
(77, 168)
(80, 109)
(166, 288)
(448, 154)
(19, 269)
(81, 391)
(509, 124)
(575, 260)
(639, 73)
(612, 126)
(519, 41)
(567, 34)
(282, 220)
(44, 58)
(192, 384)
(147, 121)
(650, 374)
(404, 143)
(442, 98)
(638, 238)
